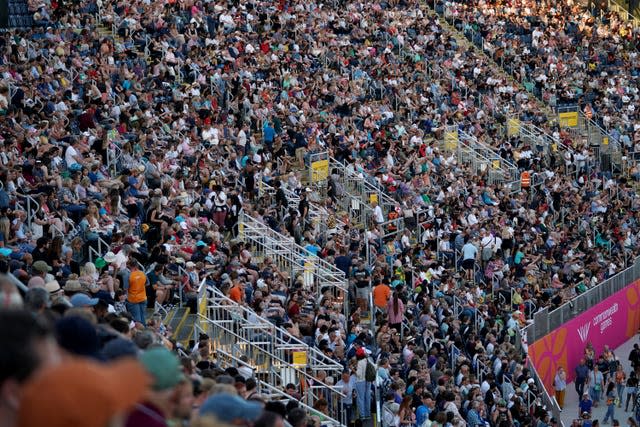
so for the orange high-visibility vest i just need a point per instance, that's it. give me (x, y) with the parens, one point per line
(525, 179)
(392, 216)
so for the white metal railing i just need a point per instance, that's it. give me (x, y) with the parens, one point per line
(275, 393)
(267, 352)
(362, 185)
(103, 248)
(318, 215)
(319, 276)
(315, 358)
(31, 206)
(623, 12)
(482, 159)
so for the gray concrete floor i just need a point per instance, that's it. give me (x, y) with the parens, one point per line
(570, 411)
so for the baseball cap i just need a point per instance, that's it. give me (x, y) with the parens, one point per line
(86, 393)
(228, 408)
(200, 243)
(81, 300)
(41, 266)
(164, 368)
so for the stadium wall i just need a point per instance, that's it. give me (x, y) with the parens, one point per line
(611, 322)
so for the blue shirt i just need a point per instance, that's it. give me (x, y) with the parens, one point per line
(313, 249)
(343, 263)
(269, 133)
(422, 413)
(585, 405)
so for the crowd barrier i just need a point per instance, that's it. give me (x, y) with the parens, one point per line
(606, 315)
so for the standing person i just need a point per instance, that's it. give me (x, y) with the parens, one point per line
(469, 255)
(619, 377)
(347, 385)
(632, 389)
(303, 207)
(582, 371)
(363, 387)
(407, 417)
(634, 357)
(361, 276)
(136, 292)
(560, 386)
(219, 205)
(585, 405)
(610, 397)
(595, 382)
(395, 309)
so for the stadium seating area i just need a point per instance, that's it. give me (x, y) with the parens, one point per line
(304, 212)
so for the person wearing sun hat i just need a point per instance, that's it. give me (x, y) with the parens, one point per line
(166, 373)
(73, 286)
(84, 393)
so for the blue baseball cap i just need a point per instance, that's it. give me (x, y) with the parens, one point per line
(200, 243)
(81, 300)
(228, 408)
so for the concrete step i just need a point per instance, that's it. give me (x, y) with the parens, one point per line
(185, 329)
(179, 316)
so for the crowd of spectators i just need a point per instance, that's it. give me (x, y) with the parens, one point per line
(128, 161)
(573, 53)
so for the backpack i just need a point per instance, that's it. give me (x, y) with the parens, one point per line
(370, 372)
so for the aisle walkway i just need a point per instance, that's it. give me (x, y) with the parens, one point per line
(570, 411)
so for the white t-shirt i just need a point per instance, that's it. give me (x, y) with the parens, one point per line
(70, 155)
(378, 215)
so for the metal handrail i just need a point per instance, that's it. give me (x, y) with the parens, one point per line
(279, 393)
(483, 158)
(257, 340)
(623, 12)
(32, 207)
(364, 184)
(293, 257)
(313, 353)
(570, 309)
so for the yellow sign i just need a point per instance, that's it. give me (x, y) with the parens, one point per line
(299, 358)
(373, 198)
(451, 140)
(513, 127)
(605, 140)
(319, 170)
(202, 307)
(496, 164)
(569, 119)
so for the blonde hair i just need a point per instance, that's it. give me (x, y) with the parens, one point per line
(5, 227)
(89, 269)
